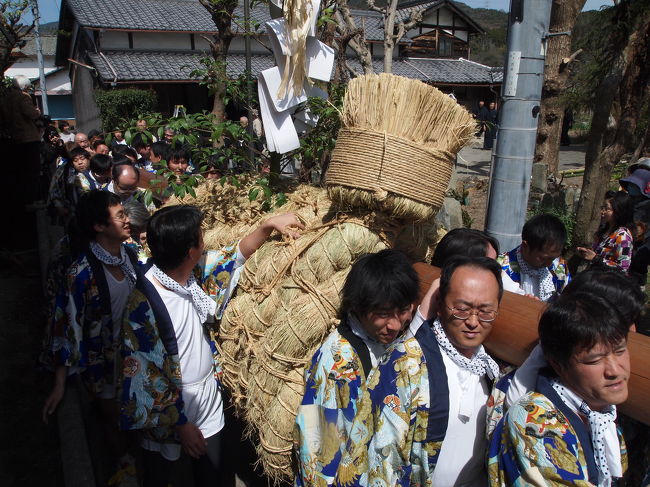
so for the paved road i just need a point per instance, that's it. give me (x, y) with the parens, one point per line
(474, 162)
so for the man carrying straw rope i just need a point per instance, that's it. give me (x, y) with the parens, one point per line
(421, 420)
(377, 303)
(170, 386)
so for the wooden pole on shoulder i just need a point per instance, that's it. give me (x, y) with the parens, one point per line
(514, 335)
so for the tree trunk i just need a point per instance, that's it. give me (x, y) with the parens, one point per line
(222, 13)
(627, 82)
(389, 35)
(346, 25)
(218, 106)
(556, 74)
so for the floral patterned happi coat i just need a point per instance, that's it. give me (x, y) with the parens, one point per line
(559, 269)
(401, 419)
(151, 396)
(333, 385)
(81, 330)
(542, 442)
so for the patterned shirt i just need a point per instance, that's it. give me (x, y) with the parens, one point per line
(541, 441)
(333, 384)
(559, 269)
(151, 394)
(615, 250)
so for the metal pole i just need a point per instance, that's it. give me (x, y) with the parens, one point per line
(39, 55)
(249, 88)
(518, 116)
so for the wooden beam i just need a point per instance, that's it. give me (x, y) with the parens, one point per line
(514, 335)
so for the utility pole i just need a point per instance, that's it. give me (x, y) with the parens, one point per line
(518, 117)
(249, 87)
(39, 55)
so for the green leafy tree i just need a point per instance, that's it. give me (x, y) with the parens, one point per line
(118, 106)
(12, 30)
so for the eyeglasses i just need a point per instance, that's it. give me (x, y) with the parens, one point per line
(121, 217)
(464, 314)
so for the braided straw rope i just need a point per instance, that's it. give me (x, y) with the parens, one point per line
(383, 163)
(285, 307)
(396, 148)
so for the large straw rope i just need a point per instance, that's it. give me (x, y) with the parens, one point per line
(396, 148)
(286, 305)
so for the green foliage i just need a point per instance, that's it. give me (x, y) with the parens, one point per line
(319, 142)
(201, 133)
(461, 194)
(117, 106)
(213, 75)
(262, 190)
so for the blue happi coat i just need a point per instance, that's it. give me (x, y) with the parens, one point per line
(81, 327)
(542, 442)
(334, 382)
(401, 419)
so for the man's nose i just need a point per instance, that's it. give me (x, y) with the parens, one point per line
(472, 321)
(613, 366)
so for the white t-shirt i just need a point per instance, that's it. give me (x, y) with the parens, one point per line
(69, 137)
(462, 455)
(510, 285)
(120, 292)
(203, 404)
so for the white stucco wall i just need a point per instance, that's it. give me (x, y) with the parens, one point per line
(29, 67)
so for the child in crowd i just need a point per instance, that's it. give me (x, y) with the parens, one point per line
(64, 192)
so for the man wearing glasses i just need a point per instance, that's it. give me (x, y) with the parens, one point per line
(422, 419)
(88, 311)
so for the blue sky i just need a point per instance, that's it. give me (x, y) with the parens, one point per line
(50, 8)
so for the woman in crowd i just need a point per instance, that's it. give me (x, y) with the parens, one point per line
(613, 243)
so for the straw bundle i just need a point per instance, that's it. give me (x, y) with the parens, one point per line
(397, 146)
(287, 303)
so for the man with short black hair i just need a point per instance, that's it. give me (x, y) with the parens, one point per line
(563, 433)
(422, 418)
(89, 308)
(536, 265)
(142, 146)
(99, 174)
(100, 147)
(159, 152)
(378, 300)
(169, 351)
(65, 186)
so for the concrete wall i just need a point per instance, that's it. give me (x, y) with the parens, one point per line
(29, 67)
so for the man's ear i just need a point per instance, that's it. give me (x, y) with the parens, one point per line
(524, 245)
(439, 303)
(99, 228)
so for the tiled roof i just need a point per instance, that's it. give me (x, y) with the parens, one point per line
(191, 16)
(168, 15)
(409, 8)
(165, 15)
(165, 66)
(440, 71)
(372, 22)
(176, 66)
